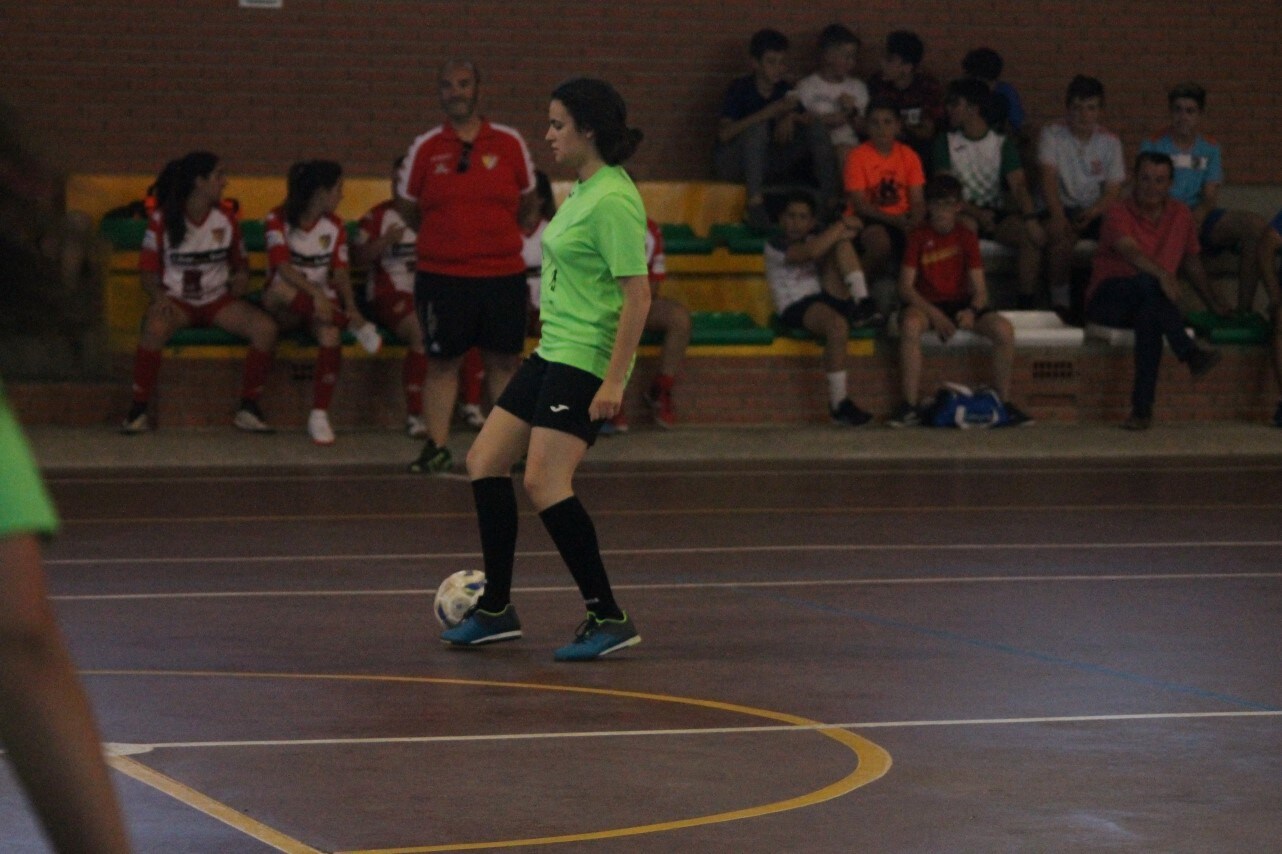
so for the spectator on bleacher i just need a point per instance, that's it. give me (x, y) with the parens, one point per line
(943, 288)
(832, 95)
(884, 181)
(1005, 111)
(670, 318)
(594, 305)
(193, 268)
(47, 727)
(1199, 174)
(1267, 256)
(464, 186)
(996, 202)
(916, 95)
(1082, 175)
(1144, 241)
(308, 283)
(764, 135)
(812, 273)
(384, 243)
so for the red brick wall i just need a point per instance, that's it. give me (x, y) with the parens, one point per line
(118, 86)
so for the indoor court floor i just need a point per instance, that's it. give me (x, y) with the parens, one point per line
(837, 656)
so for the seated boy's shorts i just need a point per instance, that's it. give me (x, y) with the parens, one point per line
(1092, 228)
(553, 395)
(458, 313)
(953, 308)
(793, 315)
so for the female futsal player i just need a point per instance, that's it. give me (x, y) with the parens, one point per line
(594, 301)
(47, 729)
(193, 268)
(307, 278)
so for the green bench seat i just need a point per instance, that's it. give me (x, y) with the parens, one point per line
(720, 328)
(738, 238)
(1244, 328)
(680, 239)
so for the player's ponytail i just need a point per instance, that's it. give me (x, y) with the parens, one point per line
(597, 106)
(174, 188)
(304, 180)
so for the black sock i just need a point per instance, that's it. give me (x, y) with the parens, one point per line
(575, 538)
(497, 517)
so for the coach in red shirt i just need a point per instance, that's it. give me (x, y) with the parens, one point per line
(463, 186)
(1144, 240)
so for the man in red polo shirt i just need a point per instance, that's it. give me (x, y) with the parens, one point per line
(462, 187)
(1143, 242)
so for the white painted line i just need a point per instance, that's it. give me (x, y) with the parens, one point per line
(134, 749)
(681, 550)
(693, 585)
(851, 467)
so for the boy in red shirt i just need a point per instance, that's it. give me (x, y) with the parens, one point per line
(942, 286)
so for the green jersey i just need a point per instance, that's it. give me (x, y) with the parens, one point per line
(596, 238)
(25, 507)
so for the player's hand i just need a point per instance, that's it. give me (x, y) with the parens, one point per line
(1171, 287)
(1036, 233)
(853, 222)
(942, 325)
(607, 401)
(966, 319)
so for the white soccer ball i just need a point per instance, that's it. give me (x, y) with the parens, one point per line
(456, 595)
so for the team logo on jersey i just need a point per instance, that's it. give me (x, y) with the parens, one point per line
(325, 241)
(219, 234)
(489, 161)
(441, 169)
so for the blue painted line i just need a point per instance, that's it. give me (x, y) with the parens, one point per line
(1034, 655)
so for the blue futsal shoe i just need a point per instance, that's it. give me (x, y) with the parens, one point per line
(481, 627)
(595, 638)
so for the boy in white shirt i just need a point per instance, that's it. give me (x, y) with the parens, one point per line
(832, 94)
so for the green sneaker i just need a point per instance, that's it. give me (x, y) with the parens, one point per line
(432, 460)
(595, 638)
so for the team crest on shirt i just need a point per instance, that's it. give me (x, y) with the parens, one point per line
(219, 234)
(489, 161)
(441, 169)
(325, 241)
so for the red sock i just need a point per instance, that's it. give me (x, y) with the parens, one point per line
(257, 364)
(664, 382)
(473, 374)
(328, 361)
(413, 373)
(146, 373)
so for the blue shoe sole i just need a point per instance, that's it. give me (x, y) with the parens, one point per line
(571, 653)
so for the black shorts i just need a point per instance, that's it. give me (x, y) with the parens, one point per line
(553, 395)
(793, 315)
(1091, 232)
(460, 312)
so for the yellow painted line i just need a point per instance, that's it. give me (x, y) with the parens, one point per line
(852, 510)
(207, 805)
(873, 760)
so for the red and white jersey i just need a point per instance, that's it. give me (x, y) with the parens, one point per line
(468, 197)
(315, 252)
(394, 269)
(195, 271)
(656, 263)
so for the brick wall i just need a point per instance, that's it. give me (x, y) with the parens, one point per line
(116, 86)
(1066, 384)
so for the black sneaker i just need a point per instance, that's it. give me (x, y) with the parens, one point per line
(865, 315)
(1016, 417)
(849, 415)
(905, 416)
(136, 420)
(432, 460)
(250, 418)
(1201, 361)
(1137, 423)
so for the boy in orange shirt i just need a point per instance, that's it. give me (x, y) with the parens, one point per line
(884, 180)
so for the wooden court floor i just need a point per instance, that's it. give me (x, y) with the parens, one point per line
(837, 657)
